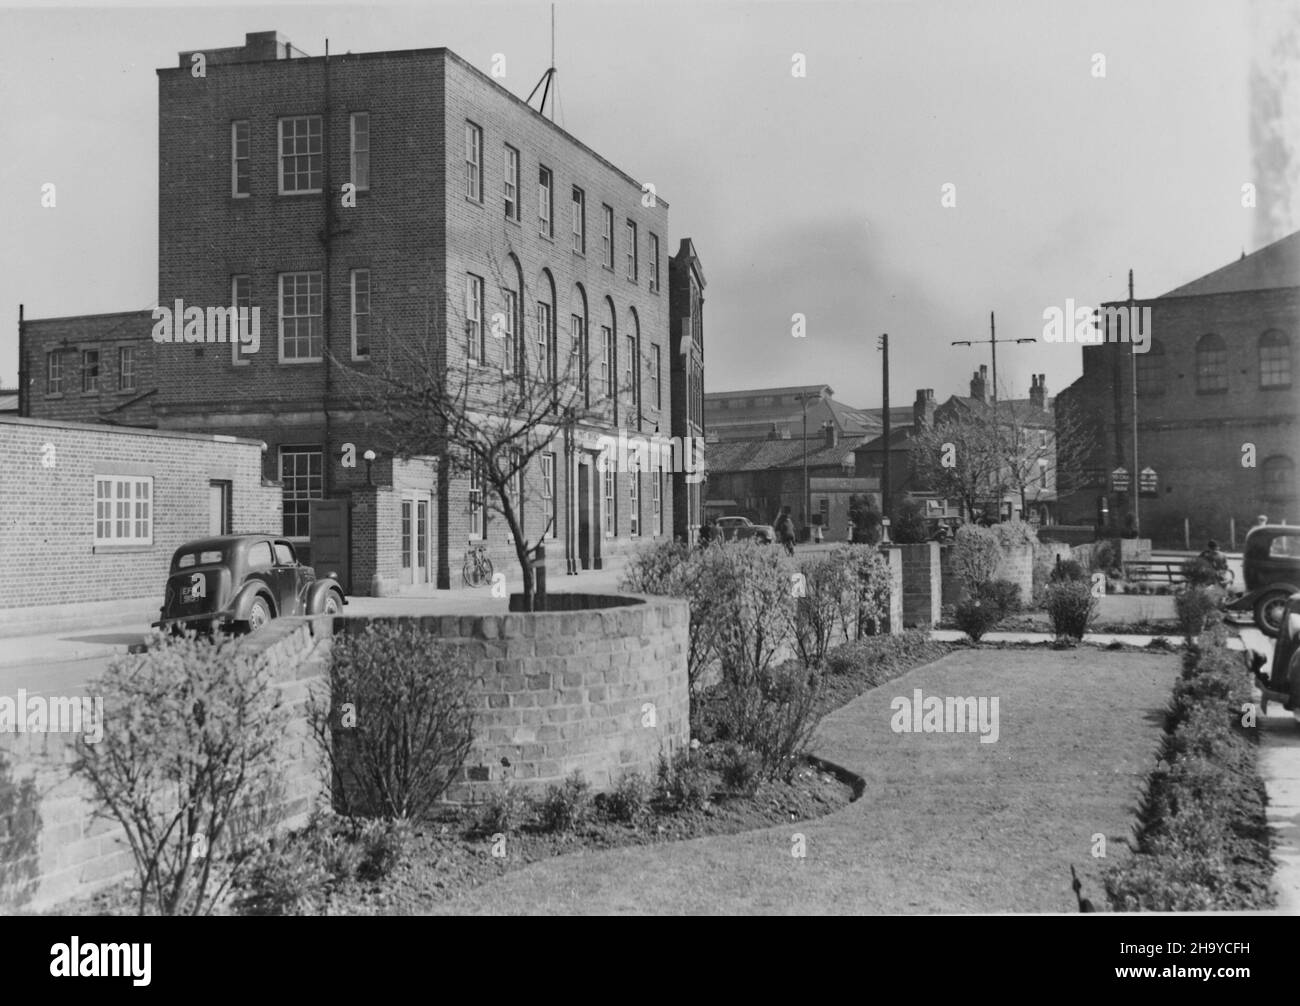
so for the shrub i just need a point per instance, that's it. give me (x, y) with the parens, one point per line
(909, 526)
(383, 845)
(866, 600)
(1071, 607)
(411, 700)
(1198, 572)
(196, 735)
(740, 769)
(975, 617)
(627, 801)
(1013, 533)
(975, 556)
(774, 716)
(846, 586)
(283, 878)
(655, 569)
(567, 806)
(1197, 607)
(681, 783)
(1068, 571)
(1002, 595)
(751, 609)
(505, 810)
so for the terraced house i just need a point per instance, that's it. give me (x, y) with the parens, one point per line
(369, 203)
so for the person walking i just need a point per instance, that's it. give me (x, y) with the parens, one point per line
(785, 530)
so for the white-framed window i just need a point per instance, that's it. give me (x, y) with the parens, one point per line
(634, 497)
(477, 509)
(630, 237)
(302, 163)
(90, 370)
(240, 180)
(548, 492)
(609, 514)
(579, 215)
(654, 374)
(515, 484)
(301, 481)
(301, 324)
(512, 183)
(545, 202)
(577, 353)
(360, 314)
(125, 368)
(241, 299)
(54, 372)
(510, 357)
(657, 498)
(545, 341)
(473, 162)
(607, 236)
(629, 369)
(607, 359)
(359, 129)
(654, 263)
(474, 317)
(123, 510)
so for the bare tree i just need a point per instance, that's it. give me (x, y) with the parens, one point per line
(959, 457)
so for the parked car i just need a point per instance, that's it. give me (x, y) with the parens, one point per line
(1283, 681)
(1271, 573)
(240, 582)
(740, 528)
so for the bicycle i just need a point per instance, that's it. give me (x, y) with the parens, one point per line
(478, 567)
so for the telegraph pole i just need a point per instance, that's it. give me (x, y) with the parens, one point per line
(883, 345)
(1136, 481)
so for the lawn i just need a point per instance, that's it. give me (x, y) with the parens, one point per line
(946, 823)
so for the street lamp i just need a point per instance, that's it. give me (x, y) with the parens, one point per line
(807, 490)
(370, 460)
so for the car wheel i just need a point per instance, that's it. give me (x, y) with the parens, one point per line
(333, 604)
(259, 613)
(1270, 609)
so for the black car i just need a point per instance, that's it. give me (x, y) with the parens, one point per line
(1271, 570)
(241, 582)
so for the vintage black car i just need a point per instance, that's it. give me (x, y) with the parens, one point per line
(1271, 571)
(1283, 681)
(239, 582)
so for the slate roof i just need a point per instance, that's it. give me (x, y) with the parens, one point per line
(1272, 267)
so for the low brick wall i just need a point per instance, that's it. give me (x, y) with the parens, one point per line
(922, 583)
(52, 847)
(1017, 565)
(601, 689)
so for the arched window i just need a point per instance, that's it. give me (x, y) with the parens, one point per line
(577, 365)
(1274, 360)
(512, 316)
(1277, 475)
(606, 351)
(1151, 370)
(631, 360)
(545, 333)
(1211, 365)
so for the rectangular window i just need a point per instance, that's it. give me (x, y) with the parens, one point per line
(477, 512)
(545, 203)
(511, 349)
(241, 299)
(610, 517)
(512, 183)
(631, 251)
(657, 489)
(654, 375)
(607, 359)
(577, 354)
(473, 162)
(548, 491)
(301, 327)
(654, 263)
(607, 235)
(634, 498)
(302, 163)
(545, 341)
(474, 317)
(360, 314)
(125, 368)
(300, 478)
(54, 372)
(360, 134)
(90, 370)
(629, 370)
(239, 177)
(579, 212)
(123, 510)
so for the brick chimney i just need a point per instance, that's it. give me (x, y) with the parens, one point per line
(923, 408)
(979, 383)
(1038, 391)
(831, 434)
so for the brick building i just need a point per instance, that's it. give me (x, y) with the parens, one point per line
(368, 208)
(1217, 405)
(90, 515)
(686, 318)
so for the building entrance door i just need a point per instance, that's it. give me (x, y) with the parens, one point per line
(415, 539)
(585, 536)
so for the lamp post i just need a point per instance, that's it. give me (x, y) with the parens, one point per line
(807, 491)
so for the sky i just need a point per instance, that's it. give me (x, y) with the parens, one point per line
(1078, 140)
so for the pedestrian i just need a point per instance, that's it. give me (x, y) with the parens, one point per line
(1215, 558)
(785, 530)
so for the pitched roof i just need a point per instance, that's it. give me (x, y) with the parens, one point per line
(764, 455)
(1272, 267)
